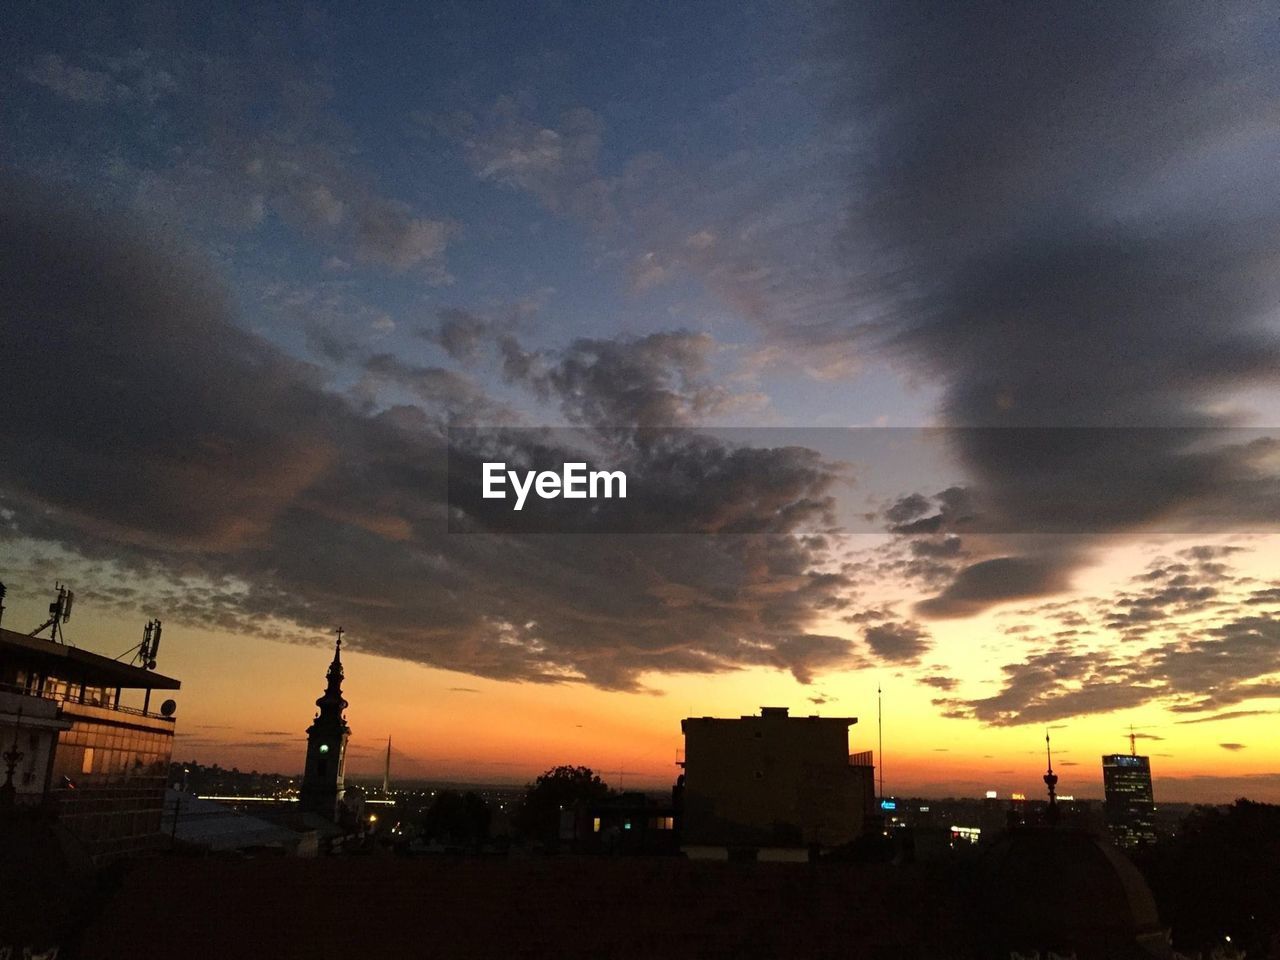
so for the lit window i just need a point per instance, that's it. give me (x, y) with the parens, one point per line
(595, 824)
(87, 765)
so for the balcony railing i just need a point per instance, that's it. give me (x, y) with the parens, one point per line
(102, 703)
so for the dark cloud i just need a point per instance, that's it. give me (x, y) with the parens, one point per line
(1043, 206)
(1233, 747)
(241, 495)
(897, 642)
(980, 584)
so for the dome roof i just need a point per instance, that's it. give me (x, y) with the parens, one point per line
(1053, 888)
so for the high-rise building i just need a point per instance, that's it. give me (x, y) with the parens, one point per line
(1130, 804)
(324, 778)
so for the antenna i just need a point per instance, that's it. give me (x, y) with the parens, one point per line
(150, 645)
(1, 601)
(386, 771)
(1133, 742)
(1051, 781)
(59, 613)
(880, 730)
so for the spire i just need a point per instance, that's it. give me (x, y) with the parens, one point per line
(386, 771)
(333, 688)
(1051, 781)
(880, 732)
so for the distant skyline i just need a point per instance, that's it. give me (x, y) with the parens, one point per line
(255, 261)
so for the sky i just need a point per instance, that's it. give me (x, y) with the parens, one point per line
(940, 346)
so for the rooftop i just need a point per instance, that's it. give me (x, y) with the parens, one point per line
(82, 666)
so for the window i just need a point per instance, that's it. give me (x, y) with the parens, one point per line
(86, 765)
(595, 824)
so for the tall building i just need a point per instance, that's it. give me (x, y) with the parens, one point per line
(323, 779)
(1129, 802)
(771, 784)
(73, 744)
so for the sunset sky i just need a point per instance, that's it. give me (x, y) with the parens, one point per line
(255, 264)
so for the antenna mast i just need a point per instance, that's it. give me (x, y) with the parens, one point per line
(880, 731)
(149, 647)
(59, 613)
(1051, 781)
(1133, 742)
(386, 770)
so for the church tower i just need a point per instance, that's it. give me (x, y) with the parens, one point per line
(322, 780)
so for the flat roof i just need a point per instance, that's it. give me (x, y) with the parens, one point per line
(73, 663)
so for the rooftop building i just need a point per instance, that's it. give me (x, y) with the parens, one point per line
(772, 783)
(73, 742)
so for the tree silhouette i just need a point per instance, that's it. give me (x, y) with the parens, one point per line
(1220, 878)
(560, 788)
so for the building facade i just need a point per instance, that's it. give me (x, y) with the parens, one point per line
(74, 744)
(324, 777)
(772, 783)
(1130, 802)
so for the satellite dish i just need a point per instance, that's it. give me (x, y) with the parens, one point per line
(168, 707)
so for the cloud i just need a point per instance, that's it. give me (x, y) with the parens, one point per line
(660, 380)
(1039, 207)
(941, 683)
(1233, 747)
(733, 222)
(1230, 656)
(897, 642)
(286, 159)
(558, 165)
(277, 508)
(1228, 715)
(121, 80)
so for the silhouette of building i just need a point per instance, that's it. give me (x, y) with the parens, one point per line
(323, 779)
(624, 823)
(1129, 802)
(1058, 890)
(71, 745)
(1052, 890)
(771, 786)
